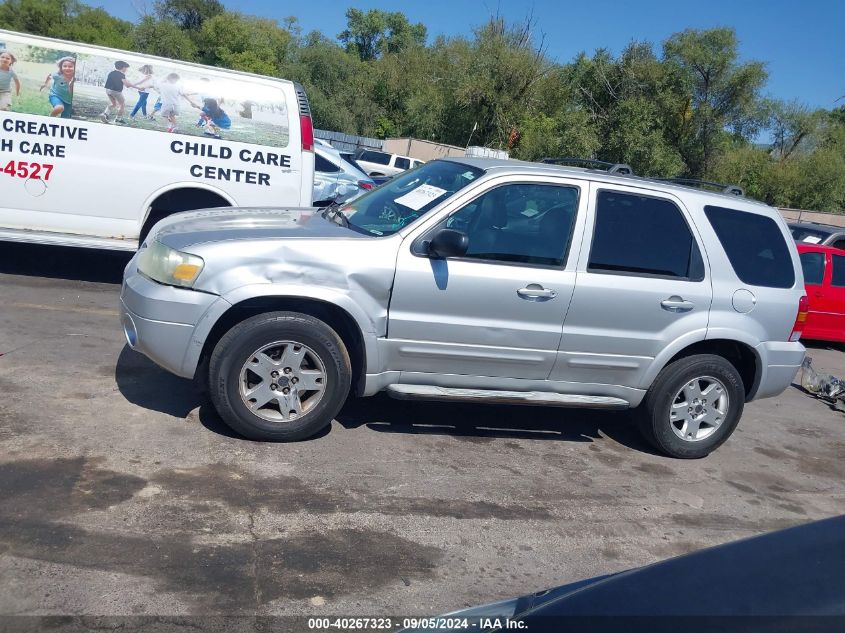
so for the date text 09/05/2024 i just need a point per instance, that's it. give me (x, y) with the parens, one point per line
(432, 624)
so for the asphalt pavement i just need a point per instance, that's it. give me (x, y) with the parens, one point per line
(122, 493)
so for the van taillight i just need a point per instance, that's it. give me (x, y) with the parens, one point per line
(307, 130)
(800, 319)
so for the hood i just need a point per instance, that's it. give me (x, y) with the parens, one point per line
(182, 230)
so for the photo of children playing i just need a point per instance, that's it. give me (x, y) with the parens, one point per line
(153, 96)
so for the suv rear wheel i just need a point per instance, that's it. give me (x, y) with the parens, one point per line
(693, 406)
(280, 376)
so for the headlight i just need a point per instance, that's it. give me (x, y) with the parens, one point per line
(168, 266)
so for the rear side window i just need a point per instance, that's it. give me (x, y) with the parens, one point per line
(755, 247)
(402, 163)
(379, 158)
(323, 165)
(640, 235)
(812, 265)
(838, 278)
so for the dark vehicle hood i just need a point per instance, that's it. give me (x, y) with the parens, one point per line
(795, 572)
(217, 225)
(798, 571)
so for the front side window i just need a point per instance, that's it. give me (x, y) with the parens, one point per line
(641, 235)
(754, 245)
(402, 163)
(407, 197)
(520, 223)
(813, 266)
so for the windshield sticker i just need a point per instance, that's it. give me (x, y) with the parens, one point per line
(810, 239)
(421, 196)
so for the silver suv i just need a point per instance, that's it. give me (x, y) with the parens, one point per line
(484, 280)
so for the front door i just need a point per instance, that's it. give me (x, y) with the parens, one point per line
(499, 309)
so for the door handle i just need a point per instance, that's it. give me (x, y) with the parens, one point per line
(676, 304)
(536, 292)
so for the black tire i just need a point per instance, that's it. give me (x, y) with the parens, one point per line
(654, 412)
(242, 341)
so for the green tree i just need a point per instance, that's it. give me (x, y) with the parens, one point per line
(723, 94)
(188, 14)
(163, 38)
(96, 26)
(39, 17)
(375, 32)
(241, 42)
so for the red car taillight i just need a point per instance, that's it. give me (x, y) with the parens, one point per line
(800, 319)
(365, 184)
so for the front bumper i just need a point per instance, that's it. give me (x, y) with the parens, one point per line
(159, 321)
(779, 361)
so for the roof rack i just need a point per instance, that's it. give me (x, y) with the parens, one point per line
(733, 190)
(590, 163)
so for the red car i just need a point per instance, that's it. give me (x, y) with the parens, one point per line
(824, 279)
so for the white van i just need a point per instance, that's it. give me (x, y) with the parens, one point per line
(377, 163)
(97, 144)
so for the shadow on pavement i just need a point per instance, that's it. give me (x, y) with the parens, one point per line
(63, 262)
(386, 415)
(146, 385)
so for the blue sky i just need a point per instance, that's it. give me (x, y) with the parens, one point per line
(801, 42)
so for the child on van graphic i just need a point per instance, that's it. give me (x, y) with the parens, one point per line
(214, 117)
(170, 91)
(7, 76)
(143, 94)
(115, 83)
(61, 89)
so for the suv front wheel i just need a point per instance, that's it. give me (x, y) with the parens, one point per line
(279, 376)
(693, 406)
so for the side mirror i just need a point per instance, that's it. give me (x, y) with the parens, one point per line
(448, 243)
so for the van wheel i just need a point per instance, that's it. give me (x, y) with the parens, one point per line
(279, 376)
(693, 406)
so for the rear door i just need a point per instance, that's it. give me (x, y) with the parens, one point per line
(641, 285)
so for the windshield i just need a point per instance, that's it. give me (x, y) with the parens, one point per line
(408, 196)
(808, 236)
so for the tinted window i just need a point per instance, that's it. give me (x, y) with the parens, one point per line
(529, 224)
(323, 165)
(813, 266)
(838, 278)
(840, 244)
(754, 245)
(402, 163)
(809, 236)
(642, 235)
(375, 157)
(351, 161)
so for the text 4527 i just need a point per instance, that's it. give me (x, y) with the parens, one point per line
(23, 169)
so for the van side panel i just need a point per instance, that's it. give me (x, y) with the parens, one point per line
(72, 160)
